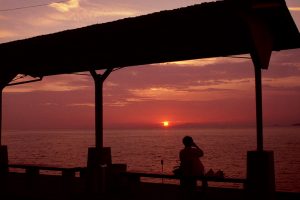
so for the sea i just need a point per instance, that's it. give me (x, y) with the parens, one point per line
(156, 150)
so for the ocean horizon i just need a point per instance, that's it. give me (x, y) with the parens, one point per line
(143, 149)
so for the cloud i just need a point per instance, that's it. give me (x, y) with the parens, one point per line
(49, 104)
(62, 83)
(117, 103)
(82, 16)
(82, 105)
(65, 6)
(194, 92)
(225, 84)
(205, 61)
(210, 90)
(2, 17)
(294, 8)
(59, 86)
(124, 102)
(89, 14)
(159, 93)
(7, 34)
(111, 84)
(283, 82)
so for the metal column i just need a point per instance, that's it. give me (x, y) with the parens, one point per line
(99, 80)
(259, 112)
(4, 80)
(1, 91)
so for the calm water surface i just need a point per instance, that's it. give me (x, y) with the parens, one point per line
(143, 150)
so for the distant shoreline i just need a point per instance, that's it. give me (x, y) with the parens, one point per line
(185, 126)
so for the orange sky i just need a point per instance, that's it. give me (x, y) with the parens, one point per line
(208, 92)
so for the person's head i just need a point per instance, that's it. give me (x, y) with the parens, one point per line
(187, 141)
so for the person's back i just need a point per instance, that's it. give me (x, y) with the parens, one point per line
(190, 163)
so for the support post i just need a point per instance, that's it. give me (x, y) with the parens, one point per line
(1, 91)
(99, 80)
(99, 157)
(98, 112)
(260, 163)
(259, 112)
(3, 149)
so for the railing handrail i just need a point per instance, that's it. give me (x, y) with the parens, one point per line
(172, 176)
(44, 167)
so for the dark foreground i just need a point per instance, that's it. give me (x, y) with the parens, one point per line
(20, 186)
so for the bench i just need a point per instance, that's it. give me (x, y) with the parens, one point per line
(34, 170)
(136, 177)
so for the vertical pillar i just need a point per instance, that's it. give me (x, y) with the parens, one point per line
(1, 90)
(260, 163)
(99, 80)
(99, 157)
(5, 78)
(98, 112)
(259, 112)
(3, 149)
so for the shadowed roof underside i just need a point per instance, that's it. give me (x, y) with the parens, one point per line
(213, 29)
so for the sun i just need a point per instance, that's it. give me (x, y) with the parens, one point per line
(166, 123)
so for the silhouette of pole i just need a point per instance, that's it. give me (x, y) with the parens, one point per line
(4, 80)
(99, 80)
(259, 113)
(1, 90)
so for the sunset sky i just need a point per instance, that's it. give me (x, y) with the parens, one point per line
(207, 92)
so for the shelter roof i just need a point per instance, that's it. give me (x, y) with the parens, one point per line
(214, 29)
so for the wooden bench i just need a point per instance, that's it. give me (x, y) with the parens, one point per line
(34, 170)
(136, 177)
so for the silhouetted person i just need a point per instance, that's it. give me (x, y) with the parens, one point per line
(190, 164)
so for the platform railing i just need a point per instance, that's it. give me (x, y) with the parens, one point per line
(136, 177)
(35, 170)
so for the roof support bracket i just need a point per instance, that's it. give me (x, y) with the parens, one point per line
(99, 80)
(262, 42)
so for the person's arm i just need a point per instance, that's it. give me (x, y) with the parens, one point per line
(199, 151)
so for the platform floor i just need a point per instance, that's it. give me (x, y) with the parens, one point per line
(20, 186)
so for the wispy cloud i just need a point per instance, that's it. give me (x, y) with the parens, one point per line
(202, 90)
(111, 84)
(82, 105)
(51, 84)
(117, 103)
(47, 87)
(235, 84)
(65, 6)
(294, 8)
(211, 90)
(7, 34)
(124, 102)
(75, 15)
(205, 61)
(49, 104)
(283, 82)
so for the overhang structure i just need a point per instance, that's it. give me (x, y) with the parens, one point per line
(215, 29)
